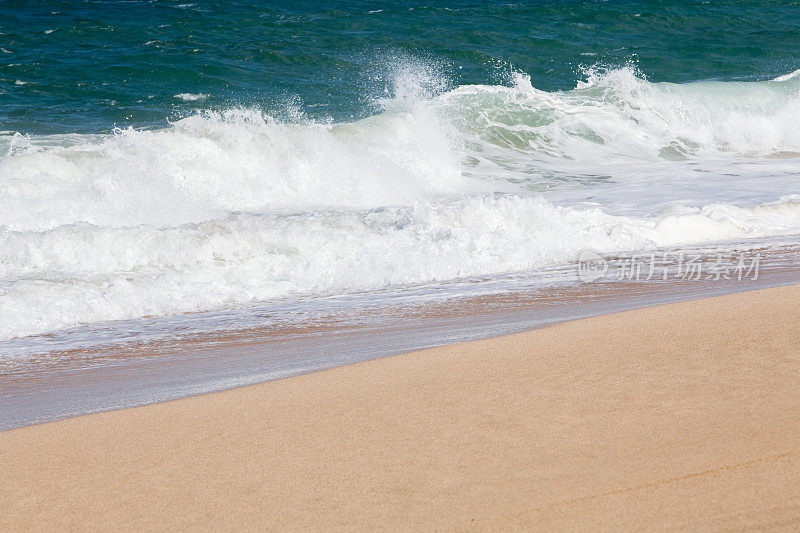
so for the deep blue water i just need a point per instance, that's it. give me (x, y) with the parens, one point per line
(87, 65)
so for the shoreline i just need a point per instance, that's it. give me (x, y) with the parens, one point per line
(61, 384)
(674, 415)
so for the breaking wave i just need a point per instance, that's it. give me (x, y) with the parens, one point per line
(229, 207)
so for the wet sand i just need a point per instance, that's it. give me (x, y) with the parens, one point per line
(682, 415)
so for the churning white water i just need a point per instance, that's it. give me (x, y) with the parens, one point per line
(234, 207)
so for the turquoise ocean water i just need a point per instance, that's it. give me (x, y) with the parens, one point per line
(86, 66)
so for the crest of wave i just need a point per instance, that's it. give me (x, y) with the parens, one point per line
(217, 162)
(616, 116)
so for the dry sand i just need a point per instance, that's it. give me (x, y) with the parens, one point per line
(684, 415)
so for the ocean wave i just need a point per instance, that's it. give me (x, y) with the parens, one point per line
(458, 142)
(84, 273)
(231, 207)
(618, 116)
(217, 162)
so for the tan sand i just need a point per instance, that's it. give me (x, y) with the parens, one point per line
(685, 415)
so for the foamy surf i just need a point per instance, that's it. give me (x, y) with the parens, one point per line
(191, 97)
(234, 207)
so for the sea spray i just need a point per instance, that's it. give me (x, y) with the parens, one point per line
(229, 207)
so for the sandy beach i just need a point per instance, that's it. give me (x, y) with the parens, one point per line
(441, 266)
(679, 416)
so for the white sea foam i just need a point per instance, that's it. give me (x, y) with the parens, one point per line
(84, 273)
(788, 76)
(191, 97)
(227, 208)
